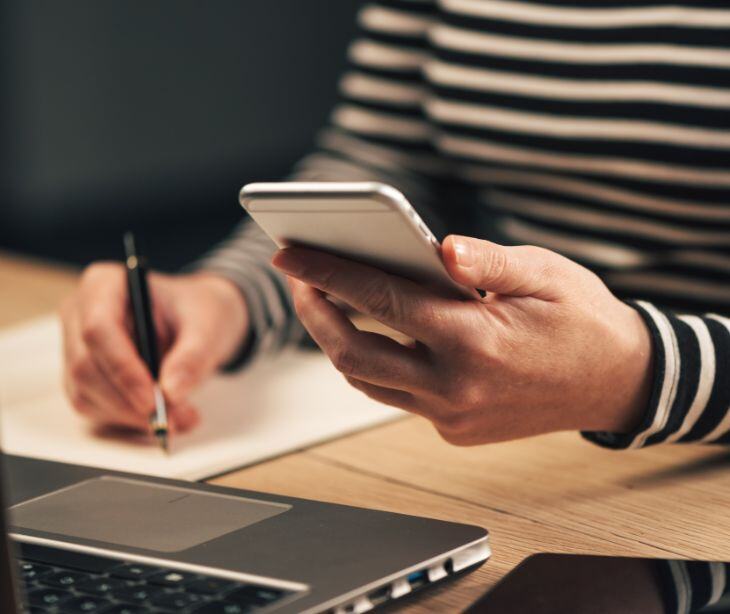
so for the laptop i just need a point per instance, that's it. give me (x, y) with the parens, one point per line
(82, 539)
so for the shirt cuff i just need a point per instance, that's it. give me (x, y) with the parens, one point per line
(666, 364)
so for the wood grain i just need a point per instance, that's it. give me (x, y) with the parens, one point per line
(664, 497)
(554, 493)
(513, 538)
(30, 288)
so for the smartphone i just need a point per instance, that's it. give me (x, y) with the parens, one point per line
(368, 222)
(559, 583)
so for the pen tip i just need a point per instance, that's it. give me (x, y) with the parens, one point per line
(164, 442)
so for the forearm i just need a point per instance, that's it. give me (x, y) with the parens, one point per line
(376, 133)
(243, 258)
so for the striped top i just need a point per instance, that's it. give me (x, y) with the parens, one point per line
(692, 586)
(598, 129)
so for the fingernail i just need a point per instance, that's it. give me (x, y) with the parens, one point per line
(463, 252)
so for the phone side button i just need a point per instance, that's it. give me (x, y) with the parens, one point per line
(425, 231)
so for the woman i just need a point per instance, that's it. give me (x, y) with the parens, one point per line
(594, 135)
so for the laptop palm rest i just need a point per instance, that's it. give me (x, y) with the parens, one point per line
(138, 514)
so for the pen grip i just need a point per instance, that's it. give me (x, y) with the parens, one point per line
(144, 326)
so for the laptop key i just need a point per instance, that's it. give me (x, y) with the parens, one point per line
(255, 595)
(137, 594)
(210, 586)
(132, 571)
(175, 601)
(127, 608)
(66, 559)
(48, 596)
(224, 607)
(31, 572)
(64, 579)
(100, 586)
(171, 579)
(85, 604)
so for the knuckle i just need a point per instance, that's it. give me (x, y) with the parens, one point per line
(126, 377)
(451, 436)
(470, 397)
(81, 370)
(99, 270)
(93, 331)
(379, 299)
(463, 338)
(495, 264)
(80, 403)
(187, 366)
(537, 252)
(325, 278)
(197, 346)
(344, 360)
(456, 428)
(460, 396)
(549, 263)
(432, 314)
(356, 383)
(302, 302)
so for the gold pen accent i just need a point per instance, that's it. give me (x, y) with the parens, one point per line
(158, 420)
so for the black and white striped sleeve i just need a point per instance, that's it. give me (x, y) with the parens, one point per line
(377, 132)
(691, 586)
(690, 398)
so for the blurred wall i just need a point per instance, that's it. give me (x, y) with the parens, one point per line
(151, 115)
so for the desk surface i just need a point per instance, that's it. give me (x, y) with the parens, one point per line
(552, 493)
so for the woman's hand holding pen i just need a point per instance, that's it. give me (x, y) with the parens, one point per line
(201, 322)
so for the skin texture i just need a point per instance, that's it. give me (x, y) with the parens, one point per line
(201, 321)
(549, 348)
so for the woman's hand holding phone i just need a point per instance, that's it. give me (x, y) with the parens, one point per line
(549, 348)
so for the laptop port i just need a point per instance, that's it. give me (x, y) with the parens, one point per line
(380, 595)
(418, 578)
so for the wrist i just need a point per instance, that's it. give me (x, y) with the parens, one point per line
(230, 307)
(633, 373)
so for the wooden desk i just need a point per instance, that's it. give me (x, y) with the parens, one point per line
(552, 493)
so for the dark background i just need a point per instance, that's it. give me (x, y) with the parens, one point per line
(151, 115)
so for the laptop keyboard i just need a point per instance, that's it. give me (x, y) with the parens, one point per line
(90, 584)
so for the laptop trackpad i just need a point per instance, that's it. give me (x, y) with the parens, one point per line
(140, 514)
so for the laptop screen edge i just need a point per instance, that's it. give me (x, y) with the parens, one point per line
(8, 585)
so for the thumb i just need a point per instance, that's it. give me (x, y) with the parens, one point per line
(514, 271)
(190, 359)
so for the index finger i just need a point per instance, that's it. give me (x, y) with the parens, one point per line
(395, 301)
(102, 305)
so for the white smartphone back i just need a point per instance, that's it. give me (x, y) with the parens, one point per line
(368, 222)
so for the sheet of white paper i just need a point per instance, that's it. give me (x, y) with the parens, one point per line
(286, 403)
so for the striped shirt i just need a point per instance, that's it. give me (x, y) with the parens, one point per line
(692, 586)
(599, 129)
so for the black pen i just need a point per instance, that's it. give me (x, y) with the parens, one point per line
(145, 334)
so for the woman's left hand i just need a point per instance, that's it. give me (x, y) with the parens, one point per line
(549, 348)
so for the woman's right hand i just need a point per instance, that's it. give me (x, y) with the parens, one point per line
(201, 322)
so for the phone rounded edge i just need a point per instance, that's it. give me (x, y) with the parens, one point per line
(389, 195)
(244, 195)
